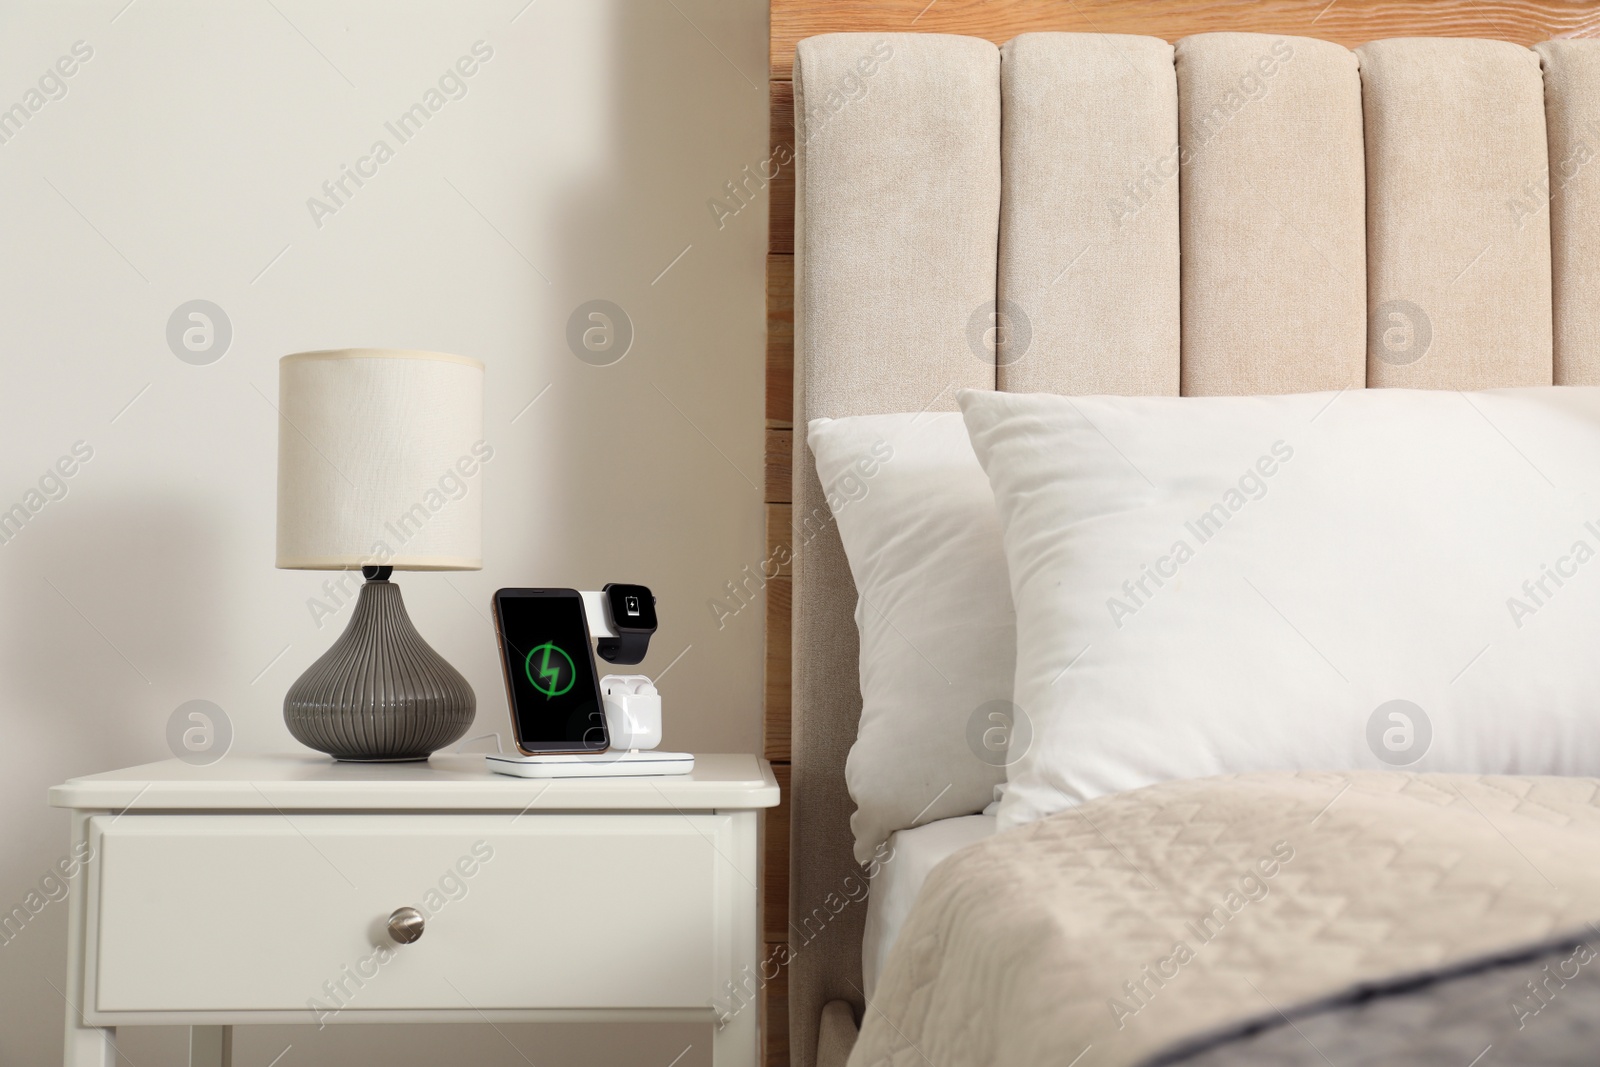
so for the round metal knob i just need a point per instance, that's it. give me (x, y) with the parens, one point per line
(405, 925)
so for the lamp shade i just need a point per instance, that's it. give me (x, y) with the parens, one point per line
(379, 457)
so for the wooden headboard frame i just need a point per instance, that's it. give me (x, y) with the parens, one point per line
(1347, 22)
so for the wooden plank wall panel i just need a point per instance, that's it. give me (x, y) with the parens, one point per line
(780, 596)
(780, 462)
(775, 887)
(779, 454)
(775, 924)
(1349, 22)
(775, 1013)
(780, 344)
(781, 143)
(779, 535)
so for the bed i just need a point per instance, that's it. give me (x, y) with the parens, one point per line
(1028, 189)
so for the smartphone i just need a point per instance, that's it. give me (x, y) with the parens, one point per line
(546, 653)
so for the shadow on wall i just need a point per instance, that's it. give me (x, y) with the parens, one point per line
(664, 423)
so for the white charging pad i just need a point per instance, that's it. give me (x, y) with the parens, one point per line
(622, 764)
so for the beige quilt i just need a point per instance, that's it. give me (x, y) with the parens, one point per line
(1138, 924)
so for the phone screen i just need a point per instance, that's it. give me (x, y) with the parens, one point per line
(545, 645)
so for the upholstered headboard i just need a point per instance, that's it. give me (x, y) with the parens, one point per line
(1238, 213)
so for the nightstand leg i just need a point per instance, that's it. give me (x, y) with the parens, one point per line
(89, 1046)
(210, 1046)
(85, 1045)
(737, 1044)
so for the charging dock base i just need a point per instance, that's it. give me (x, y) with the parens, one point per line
(625, 764)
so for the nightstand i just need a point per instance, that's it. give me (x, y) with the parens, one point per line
(285, 889)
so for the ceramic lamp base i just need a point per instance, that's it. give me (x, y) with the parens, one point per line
(380, 694)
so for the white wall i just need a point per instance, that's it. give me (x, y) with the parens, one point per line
(177, 166)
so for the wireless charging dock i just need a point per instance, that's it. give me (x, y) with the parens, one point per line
(627, 763)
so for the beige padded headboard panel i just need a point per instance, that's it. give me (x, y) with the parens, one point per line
(1091, 152)
(1454, 129)
(1572, 128)
(897, 207)
(1274, 253)
(1330, 211)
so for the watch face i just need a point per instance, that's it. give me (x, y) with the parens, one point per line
(632, 608)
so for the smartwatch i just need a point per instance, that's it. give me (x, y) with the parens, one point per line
(631, 613)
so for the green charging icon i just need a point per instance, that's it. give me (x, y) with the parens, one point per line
(553, 666)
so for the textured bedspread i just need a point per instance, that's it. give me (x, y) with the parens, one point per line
(1270, 919)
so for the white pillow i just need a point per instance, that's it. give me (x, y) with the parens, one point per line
(938, 638)
(1364, 579)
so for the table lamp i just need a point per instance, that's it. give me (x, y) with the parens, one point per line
(376, 451)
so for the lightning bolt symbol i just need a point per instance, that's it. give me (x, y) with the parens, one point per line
(548, 673)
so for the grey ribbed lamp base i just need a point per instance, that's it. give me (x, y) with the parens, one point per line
(380, 694)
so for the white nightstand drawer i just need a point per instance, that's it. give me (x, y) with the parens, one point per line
(287, 912)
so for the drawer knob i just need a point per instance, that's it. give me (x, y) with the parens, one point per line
(405, 925)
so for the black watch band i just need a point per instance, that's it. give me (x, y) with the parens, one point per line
(625, 648)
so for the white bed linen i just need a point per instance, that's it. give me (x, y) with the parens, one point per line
(916, 852)
(920, 529)
(1214, 585)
